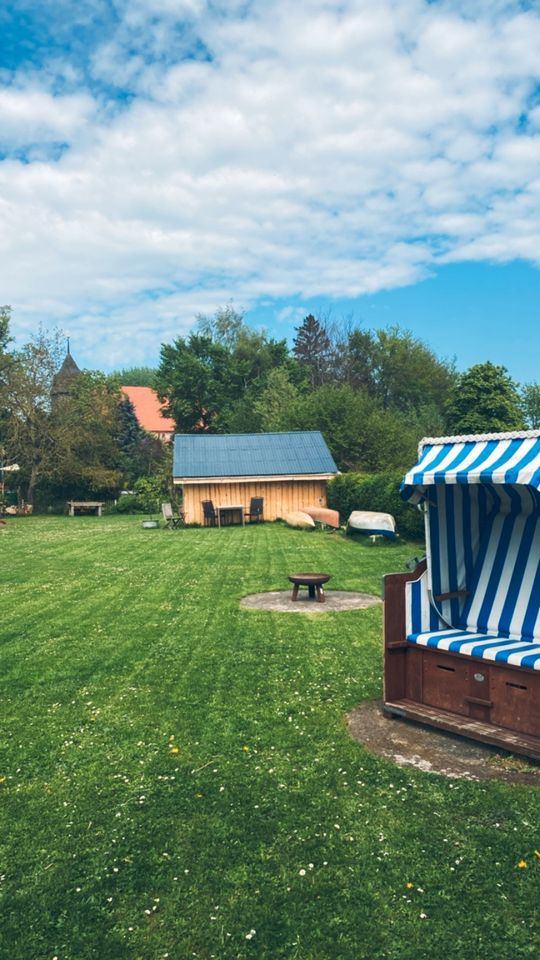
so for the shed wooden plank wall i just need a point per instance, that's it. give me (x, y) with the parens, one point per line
(280, 497)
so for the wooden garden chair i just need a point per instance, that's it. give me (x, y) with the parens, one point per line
(172, 521)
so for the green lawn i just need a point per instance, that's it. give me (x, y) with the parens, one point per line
(178, 780)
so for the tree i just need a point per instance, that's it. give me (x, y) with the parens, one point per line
(312, 348)
(5, 361)
(136, 377)
(359, 362)
(225, 327)
(85, 429)
(130, 432)
(407, 374)
(484, 400)
(210, 380)
(250, 364)
(272, 409)
(360, 433)
(530, 400)
(5, 320)
(190, 382)
(391, 365)
(27, 392)
(141, 453)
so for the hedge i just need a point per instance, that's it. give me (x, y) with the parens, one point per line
(380, 492)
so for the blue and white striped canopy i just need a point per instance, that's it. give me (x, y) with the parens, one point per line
(504, 458)
(481, 499)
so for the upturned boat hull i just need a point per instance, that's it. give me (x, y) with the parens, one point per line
(323, 515)
(372, 523)
(299, 519)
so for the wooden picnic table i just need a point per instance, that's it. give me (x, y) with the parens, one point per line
(230, 508)
(96, 505)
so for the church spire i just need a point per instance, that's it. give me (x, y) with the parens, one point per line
(63, 380)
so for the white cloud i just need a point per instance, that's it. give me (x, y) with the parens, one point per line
(315, 149)
(30, 115)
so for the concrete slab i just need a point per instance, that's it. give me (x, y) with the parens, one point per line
(279, 601)
(433, 751)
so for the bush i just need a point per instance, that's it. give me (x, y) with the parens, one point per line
(149, 492)
(380, 492)
(129, 503)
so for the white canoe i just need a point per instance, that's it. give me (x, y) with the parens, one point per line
(323, 515)
(372, 523)
(299, 519)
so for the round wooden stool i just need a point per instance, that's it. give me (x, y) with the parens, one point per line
(314, 583)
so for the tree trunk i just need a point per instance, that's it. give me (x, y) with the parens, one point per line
(34, 474)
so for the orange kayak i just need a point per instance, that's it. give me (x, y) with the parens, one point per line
(323, 515)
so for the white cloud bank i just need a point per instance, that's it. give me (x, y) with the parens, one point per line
(317, 149)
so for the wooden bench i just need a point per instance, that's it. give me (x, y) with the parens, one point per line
(85, 505)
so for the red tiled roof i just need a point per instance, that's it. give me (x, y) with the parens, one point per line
(148, 410)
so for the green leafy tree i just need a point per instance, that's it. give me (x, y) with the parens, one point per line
(85, 428)
(407, 374)
(272, 409)
(136, 377)
(530, 401)
(360, 433)
(210, 381)
(5, 321)
(190, 382)
(5, 361)
(150, 457)
(356, 357)
(393, 366)
(225, 327)
(251, 363)
(29, 431)
(149, 491)
(485, 399)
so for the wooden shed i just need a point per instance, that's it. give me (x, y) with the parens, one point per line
(288, 470)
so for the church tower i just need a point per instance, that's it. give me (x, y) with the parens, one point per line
(63, 381)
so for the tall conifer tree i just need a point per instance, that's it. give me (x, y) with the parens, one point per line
(312, 347)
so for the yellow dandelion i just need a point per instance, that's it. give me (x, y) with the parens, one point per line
(409, 885)
(245, 749)
(522, 864)
(174, 749)
(171, 737)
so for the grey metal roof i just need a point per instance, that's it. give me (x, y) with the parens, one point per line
(251, 454)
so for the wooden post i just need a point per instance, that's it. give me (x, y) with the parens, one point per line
(395, 641)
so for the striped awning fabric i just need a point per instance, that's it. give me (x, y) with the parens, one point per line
(481, 500)
(504, 458)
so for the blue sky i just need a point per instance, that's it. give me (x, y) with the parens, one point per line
(160, 158)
